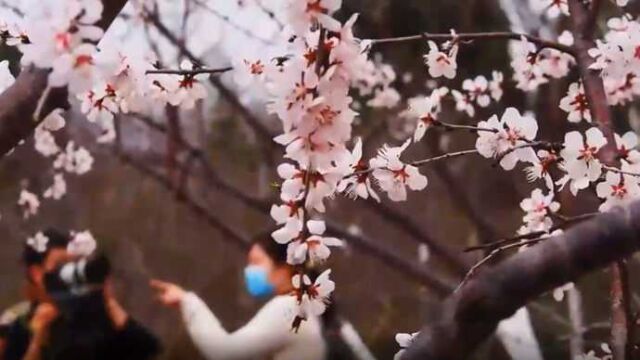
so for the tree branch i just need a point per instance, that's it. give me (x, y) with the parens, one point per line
(258, 127)
(190, 72)
(497, 35)
(20, 101)
(472, 314)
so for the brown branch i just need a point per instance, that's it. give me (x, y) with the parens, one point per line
(20, 101)
(566, 221)
(406, 224)
(253, 121)
(593, 84)
(622, 323)
(173, 142)
(190, 72)
(472, 314)
(582, 24)
(497, 35)
(461, 197)
(182, 196)
(443, 157)
(494, 253)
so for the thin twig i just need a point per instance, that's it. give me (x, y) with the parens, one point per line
(493, 254)
(190, 72)
(450, 126)
(497, 35)
(623, 172)
(566, 221)
(443, 157)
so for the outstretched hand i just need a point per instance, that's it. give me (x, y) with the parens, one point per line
(167, 293)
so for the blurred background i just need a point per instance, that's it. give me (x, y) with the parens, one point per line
(164, 198)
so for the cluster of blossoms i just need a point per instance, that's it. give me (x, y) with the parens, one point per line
(309, 92)
(538, 208)
(507, 139)
(618, 60)
(478, 91)
(64, 37)
(533, 66)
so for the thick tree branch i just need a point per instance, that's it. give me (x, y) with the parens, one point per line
(472, 314)
(19, 102)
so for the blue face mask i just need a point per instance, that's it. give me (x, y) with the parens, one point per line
(257, 281)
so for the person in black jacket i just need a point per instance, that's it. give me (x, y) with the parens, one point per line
(95, 327)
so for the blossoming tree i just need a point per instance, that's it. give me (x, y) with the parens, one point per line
(317, 79)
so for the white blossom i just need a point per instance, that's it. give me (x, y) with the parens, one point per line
(313, 297)
(538, 208)
(580, 158)
(576, 104)
(393, 176)
(38, 242)
(425, 110)
(358, 182)
(617, 190)
(29, 203)
(314, 248)
(441, 63)
(507, 138)
(58, 189)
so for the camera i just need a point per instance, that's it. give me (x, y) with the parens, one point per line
(77, 279)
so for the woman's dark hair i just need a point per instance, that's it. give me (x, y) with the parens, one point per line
(277, 252)
(57, 240)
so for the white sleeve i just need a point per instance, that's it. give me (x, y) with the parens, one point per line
(264, 335)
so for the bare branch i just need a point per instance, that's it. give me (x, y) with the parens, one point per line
(498, 35)
(254, 122)
(566, 221)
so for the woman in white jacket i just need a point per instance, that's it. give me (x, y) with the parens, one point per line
(269, 334)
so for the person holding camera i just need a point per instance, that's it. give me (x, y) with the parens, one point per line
(74, 314)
